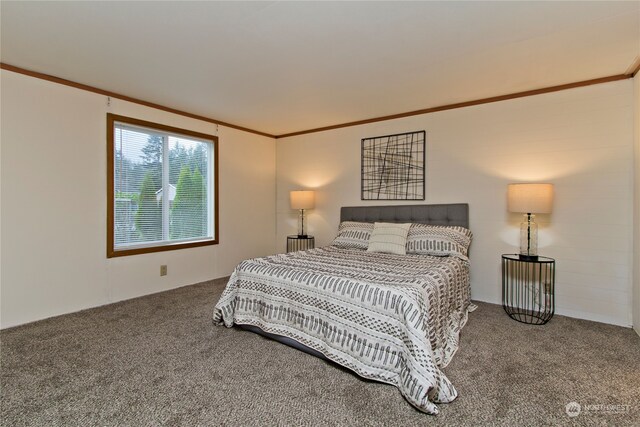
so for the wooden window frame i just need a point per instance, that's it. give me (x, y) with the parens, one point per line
(111, 250)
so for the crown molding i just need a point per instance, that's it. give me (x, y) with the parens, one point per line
(631, 72)
(465, 104)
(99, 91)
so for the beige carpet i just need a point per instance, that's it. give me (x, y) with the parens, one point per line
(158, 360)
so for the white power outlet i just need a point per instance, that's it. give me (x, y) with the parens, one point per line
(163, 270)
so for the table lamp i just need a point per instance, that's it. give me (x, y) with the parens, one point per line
(529, 199)
(301, 200)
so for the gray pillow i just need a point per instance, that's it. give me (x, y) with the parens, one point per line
(353, 235)
(438, 240)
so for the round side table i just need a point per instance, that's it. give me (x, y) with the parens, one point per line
(300, 243)
(528, 288)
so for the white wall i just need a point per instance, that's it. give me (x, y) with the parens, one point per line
(581, 140)
(53, 216)
(53, 199)
(636, 216)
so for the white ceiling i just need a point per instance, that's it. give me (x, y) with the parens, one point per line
(280, 67)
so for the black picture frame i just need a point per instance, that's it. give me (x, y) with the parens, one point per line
(393, 167)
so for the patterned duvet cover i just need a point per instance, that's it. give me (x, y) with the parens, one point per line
(390, 318)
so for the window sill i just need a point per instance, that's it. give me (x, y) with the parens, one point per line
(113, 253)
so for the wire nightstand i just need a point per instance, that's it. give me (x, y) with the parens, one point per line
(300, 243)
(528, 288)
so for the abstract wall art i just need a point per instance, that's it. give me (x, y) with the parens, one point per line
(393, 167)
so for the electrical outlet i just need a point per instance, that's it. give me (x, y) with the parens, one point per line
(163, 270)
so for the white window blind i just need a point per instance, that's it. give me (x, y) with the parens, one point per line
(163, 186)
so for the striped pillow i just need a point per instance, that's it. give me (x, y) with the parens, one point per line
(438, 240)
(353, 235)
(389, 238)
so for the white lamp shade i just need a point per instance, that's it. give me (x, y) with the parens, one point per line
(302, 199)
(530, 198)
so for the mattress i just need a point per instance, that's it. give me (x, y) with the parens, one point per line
(389, 318)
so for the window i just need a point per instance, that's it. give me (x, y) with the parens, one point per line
(162, 187)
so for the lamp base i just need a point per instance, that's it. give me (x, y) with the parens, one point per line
(528, 257)
(304, 236)
(529, 238)
(301, 230)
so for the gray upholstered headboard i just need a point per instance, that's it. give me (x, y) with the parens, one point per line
(445, 214)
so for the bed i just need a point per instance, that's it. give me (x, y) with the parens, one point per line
(390, 318)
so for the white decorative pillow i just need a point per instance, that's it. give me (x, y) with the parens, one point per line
(438, 240)
(389, 237)
(353, 235)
